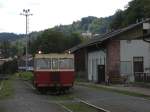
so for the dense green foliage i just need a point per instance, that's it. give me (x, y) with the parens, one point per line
(7, 49)
(9, 45)
(136, 11)
(54, 42)
(9, 67)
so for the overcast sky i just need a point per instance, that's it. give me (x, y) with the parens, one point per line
(48, 13)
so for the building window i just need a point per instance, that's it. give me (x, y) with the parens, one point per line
(138, 64)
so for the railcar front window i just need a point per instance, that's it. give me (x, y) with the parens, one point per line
(66, 63)
(43, 64)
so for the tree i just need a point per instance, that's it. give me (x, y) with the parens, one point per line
(5, 46)
(86, 21)
(136, 10)
(100, 25)
(54, 42)
(117, 20)
(9, 67)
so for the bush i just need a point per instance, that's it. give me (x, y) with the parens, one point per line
(9, 67)
(25, 75)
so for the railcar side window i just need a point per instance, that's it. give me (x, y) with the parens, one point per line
(66, 63)
(43, 64)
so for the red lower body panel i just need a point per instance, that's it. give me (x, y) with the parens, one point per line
(53, 78)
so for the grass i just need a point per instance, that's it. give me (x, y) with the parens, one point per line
(80, 80)
(2, 110)
(7, 89)
(79, 107)
(125, 92)
(25, 75)
(64, 97)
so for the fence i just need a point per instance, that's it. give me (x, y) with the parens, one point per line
(142, 77)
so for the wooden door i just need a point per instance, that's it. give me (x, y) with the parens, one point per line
(101, 73)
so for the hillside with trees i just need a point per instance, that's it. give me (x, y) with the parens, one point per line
(9, 37)
(92, 24)
(135, 11)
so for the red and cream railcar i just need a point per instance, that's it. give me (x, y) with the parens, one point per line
(53, 71)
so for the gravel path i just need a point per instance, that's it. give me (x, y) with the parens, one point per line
(112, 101)
(28, 100)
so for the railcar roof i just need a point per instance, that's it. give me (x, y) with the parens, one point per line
(54, 55)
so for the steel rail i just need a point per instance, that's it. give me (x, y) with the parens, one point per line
(94, 106)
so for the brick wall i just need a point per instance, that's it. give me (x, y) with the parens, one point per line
(113, 59)
(80, 64)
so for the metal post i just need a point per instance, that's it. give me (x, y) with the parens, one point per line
(26, 13)
(26, 43)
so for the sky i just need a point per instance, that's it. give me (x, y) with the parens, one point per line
(49, 13)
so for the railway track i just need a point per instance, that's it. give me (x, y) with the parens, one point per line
(93, 106)
(96, 108)
(75, 100)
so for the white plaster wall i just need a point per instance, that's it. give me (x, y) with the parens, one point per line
(135, 48)
(95, 58)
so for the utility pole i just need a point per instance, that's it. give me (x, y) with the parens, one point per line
(26, 13)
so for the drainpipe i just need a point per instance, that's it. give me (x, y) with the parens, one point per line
(86, 63)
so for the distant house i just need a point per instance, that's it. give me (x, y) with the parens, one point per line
(3, 60)
(87, 35)
(22, 63)
(118, 55)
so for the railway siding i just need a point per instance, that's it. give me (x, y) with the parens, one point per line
(80, 107)
(93, 106)
(70, 102)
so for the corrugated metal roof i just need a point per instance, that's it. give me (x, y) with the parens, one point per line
(100, 39)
